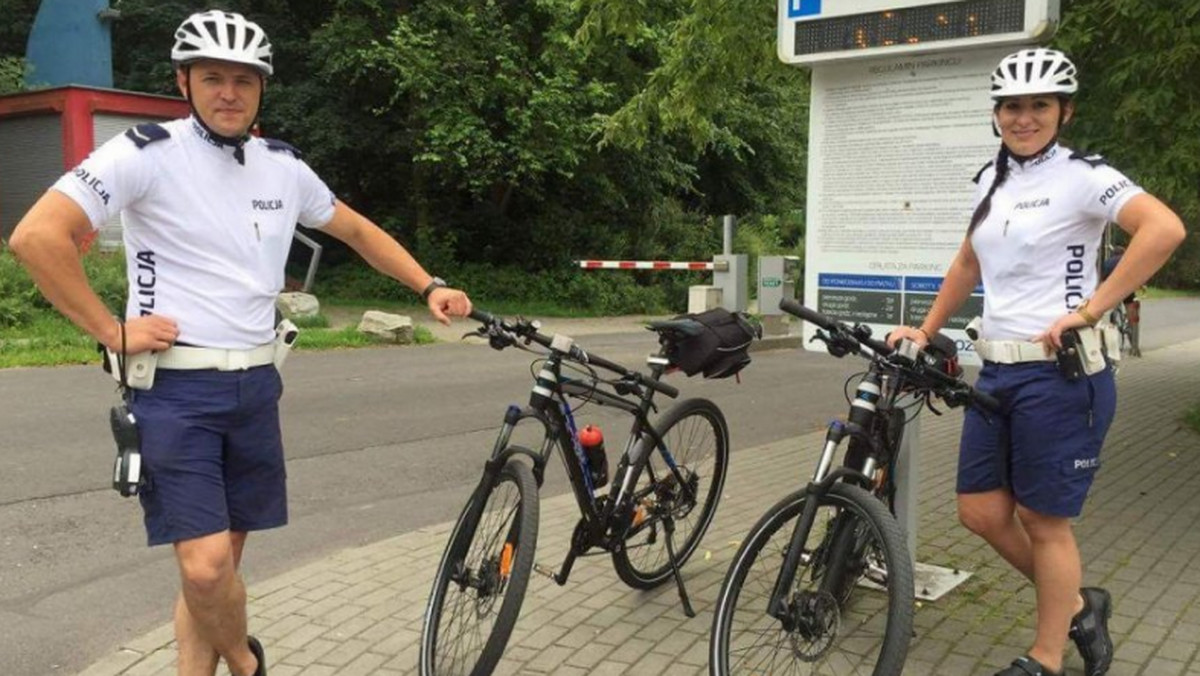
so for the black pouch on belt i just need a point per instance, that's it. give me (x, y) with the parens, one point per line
(1070, 356)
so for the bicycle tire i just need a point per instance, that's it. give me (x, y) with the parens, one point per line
(697, 436)
(744, 639)
(470, 581)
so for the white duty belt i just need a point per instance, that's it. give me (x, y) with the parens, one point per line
(1011, 351)
(196, 358)
(1098, 343)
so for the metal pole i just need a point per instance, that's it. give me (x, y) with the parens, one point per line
(908, 482)
(311, 243)
(727, 248)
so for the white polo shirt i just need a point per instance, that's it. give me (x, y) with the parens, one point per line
(1037, 248)
(206, 237)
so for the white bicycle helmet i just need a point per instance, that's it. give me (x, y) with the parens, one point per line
(1034, 71)
(224, 36)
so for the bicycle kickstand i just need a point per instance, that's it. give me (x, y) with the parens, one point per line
(669, 529)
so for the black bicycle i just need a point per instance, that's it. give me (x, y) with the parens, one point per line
(660, 502)
(823, 584)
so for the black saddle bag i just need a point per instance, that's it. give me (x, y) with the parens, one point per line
(718, 344)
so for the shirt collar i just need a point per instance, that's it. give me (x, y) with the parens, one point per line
(207, 138)
(1045, 159)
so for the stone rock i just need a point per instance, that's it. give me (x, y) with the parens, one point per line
(296, 304)
(387, 327)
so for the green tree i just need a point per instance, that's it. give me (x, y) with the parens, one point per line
(1139, 102)
(18, 21)
(12, 71)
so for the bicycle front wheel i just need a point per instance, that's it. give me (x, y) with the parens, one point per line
(829, 626)
(696, 441)
(481, 580)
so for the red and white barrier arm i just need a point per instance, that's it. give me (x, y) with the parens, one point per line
(720, 266)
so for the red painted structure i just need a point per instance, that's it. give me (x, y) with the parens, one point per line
(76, 108)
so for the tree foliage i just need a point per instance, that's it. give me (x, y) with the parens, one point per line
(12, 71)
(1139, 102)
(530, 133)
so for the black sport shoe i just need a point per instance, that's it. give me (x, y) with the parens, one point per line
(1027, 666)
(1089, 630)
(257, 649)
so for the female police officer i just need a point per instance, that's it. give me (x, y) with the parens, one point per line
(1040, 211)
(209, 213)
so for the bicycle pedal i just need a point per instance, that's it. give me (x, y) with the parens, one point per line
(543, 570)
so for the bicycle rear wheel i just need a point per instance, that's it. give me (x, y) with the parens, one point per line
(481, 580)
(866, 633)
(696, 438)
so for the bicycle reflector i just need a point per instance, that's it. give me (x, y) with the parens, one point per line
(942, 354)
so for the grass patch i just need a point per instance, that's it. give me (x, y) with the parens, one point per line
(348, 336)
(1153, 292)
(47, 340)
(317, 321)
(1191, 418)
(51, 340)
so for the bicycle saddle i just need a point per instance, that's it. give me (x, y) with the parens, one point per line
(684, 326)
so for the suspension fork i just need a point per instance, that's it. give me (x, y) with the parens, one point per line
(821, 483)
(501, 454)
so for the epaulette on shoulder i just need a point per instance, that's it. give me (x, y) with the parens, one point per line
(1093, 159)
(979, 174)
(283, 147)
(145, 134)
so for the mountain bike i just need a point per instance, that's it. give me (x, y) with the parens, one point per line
(660, 502)
(823, 584)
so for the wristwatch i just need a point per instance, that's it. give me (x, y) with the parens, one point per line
(435, 283)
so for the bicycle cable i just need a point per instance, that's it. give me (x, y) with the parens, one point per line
(591, 377)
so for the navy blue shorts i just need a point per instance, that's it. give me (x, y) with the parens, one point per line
(1045, 446)
(212, 453)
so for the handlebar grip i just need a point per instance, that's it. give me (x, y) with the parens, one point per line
(793, 307)
(659, 386)
(986, 401)
(481, 316)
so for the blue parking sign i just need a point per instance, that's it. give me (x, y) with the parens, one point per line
(798, 8)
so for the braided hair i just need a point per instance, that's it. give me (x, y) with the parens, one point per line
(985, 205)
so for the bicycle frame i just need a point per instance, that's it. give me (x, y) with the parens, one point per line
(606, 520)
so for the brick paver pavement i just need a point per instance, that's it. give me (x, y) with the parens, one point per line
(359, 611)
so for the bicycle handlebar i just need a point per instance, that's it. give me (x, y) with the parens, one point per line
(844, 338)
(528, 330)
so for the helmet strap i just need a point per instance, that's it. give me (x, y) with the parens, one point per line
(237, 143)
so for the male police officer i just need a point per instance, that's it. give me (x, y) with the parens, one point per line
(209, 213)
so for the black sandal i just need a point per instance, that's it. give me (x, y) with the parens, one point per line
(257, 649)
(1027, 666)
(1089, 630)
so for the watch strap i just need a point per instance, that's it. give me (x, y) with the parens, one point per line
(435, 283)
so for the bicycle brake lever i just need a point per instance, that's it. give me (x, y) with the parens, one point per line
(929, 405)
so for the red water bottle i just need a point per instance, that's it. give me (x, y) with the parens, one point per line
(592, 441)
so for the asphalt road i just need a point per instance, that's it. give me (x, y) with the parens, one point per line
(379, 442)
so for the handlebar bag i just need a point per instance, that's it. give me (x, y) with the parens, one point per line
(717, 344)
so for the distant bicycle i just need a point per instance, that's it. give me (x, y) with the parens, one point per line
(661, 500)
(823, 584)
(1126, 316)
